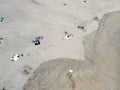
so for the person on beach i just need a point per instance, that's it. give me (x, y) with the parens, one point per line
(67, 35)
(95, 18)
(36, 42)
(4, 88)
(80, 27)
(1, 19)
(1, 40)
(84, 1)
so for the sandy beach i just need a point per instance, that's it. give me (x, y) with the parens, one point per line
(24, 20)
(99, 71)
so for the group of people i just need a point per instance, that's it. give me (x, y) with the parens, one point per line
(37, 40)
(80, 27)
(67, 35)
(15, 57)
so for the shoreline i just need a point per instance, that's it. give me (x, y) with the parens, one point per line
(24, 21)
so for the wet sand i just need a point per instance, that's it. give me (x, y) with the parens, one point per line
(99, 71)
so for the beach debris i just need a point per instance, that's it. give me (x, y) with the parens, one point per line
(65, 32)
(1, 38)
(95, 18)
(70, 71)
(28, 54)
(22, 55)
(1, 19)
(64, 4)
(27, 70)
(51, 46)
(68, 35)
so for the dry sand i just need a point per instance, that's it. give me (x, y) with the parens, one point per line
(25, 19)
(99, 71)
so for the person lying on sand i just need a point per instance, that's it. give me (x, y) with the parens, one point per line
(36, 42)
(68, 35)
(1, 40)
(84, 1)
(81, 28)
(16, 57)
(1, 19)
